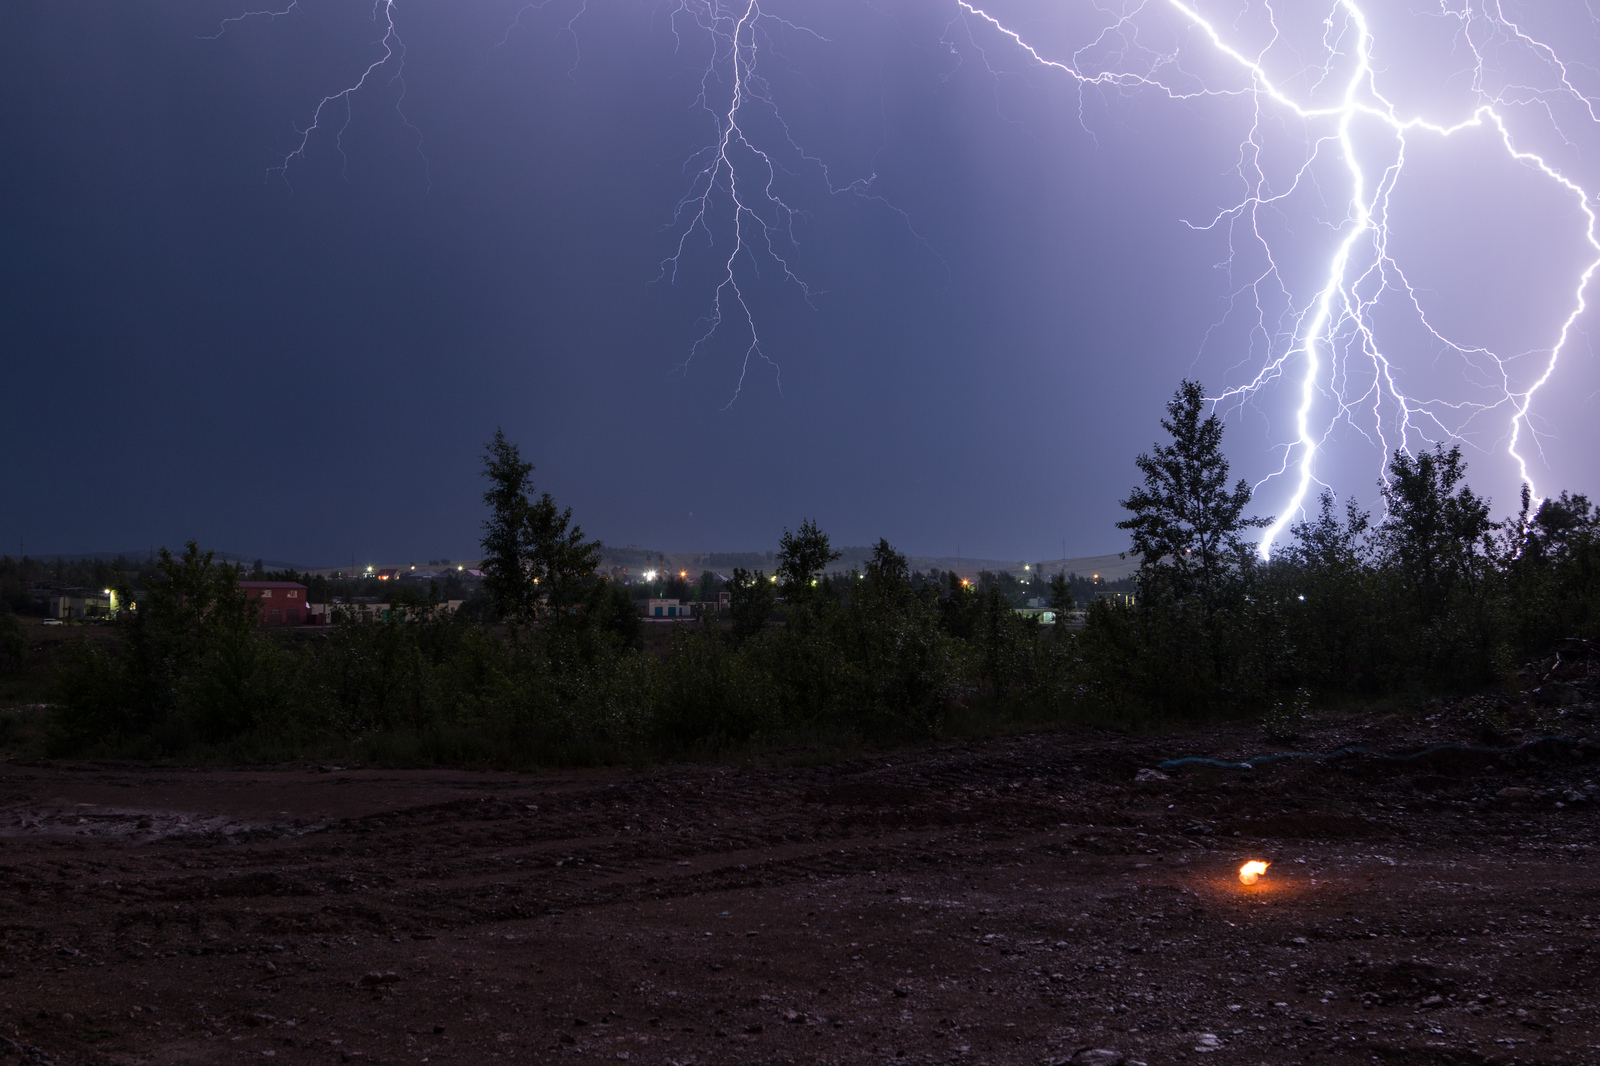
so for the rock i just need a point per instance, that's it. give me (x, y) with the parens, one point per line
(1204, 1042)
(1433, 1001)
(373, 978)
(1150, 775)
(1514, 793)
(1098, 1056)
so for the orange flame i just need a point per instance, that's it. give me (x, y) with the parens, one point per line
(1251, 871)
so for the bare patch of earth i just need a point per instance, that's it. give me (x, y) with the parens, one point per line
(1016, 901)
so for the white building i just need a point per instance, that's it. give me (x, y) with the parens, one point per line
(668, 609)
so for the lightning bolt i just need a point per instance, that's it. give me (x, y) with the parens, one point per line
(1331, 344)
(393, 56)
(733, 179)
(1329, 335)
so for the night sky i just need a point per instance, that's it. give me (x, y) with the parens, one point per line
(304, 363)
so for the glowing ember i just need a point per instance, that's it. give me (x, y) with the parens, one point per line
(1251, 871)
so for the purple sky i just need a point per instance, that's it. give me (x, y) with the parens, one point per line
(304, 364)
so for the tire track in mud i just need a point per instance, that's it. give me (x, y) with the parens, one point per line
(1018, 899)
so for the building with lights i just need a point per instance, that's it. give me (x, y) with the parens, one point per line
(278, 603)
(77, 605)
(668, 609)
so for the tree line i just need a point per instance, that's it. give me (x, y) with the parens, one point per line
(1434, 596)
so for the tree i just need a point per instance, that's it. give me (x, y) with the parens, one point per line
(1061, 600)
(13, 640)
(750, 602)
(189, 652)
(1434, 527)
(1323, 544)
(802, 556)
(536, 561)
(618, 616)
(1556, 526)
(1551, 561)
(1186, 521)
(888, 572)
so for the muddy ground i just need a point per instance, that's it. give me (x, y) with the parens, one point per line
(1010, 901)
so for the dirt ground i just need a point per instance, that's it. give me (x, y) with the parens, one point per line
(1021, 900)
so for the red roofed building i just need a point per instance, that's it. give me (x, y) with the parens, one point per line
(279, 603)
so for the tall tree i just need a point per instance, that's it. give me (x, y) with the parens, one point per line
(802, 556)
(1186, 521)
(1435, 525)
(750, 600)
(536, 562)
(1060, 593)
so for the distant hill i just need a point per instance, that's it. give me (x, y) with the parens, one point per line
(637, 560)
(143, 555)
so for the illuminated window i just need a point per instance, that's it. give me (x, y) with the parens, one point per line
(266, 594)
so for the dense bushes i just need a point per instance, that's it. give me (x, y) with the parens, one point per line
(1432, 597)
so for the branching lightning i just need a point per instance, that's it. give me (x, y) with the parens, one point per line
(1329, 349)
(393, 59)
(1328, 343)
(734, 177)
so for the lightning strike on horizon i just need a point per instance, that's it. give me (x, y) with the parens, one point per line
(1323, 343)
(1325, 333)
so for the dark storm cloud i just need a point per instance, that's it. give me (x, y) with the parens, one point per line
(305, 364)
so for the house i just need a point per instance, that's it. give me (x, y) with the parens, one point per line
(1046, 615)
(77, 604)
(668, 609)
(278, 603)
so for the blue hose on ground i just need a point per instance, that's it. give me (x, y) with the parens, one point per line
(1354, 749)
